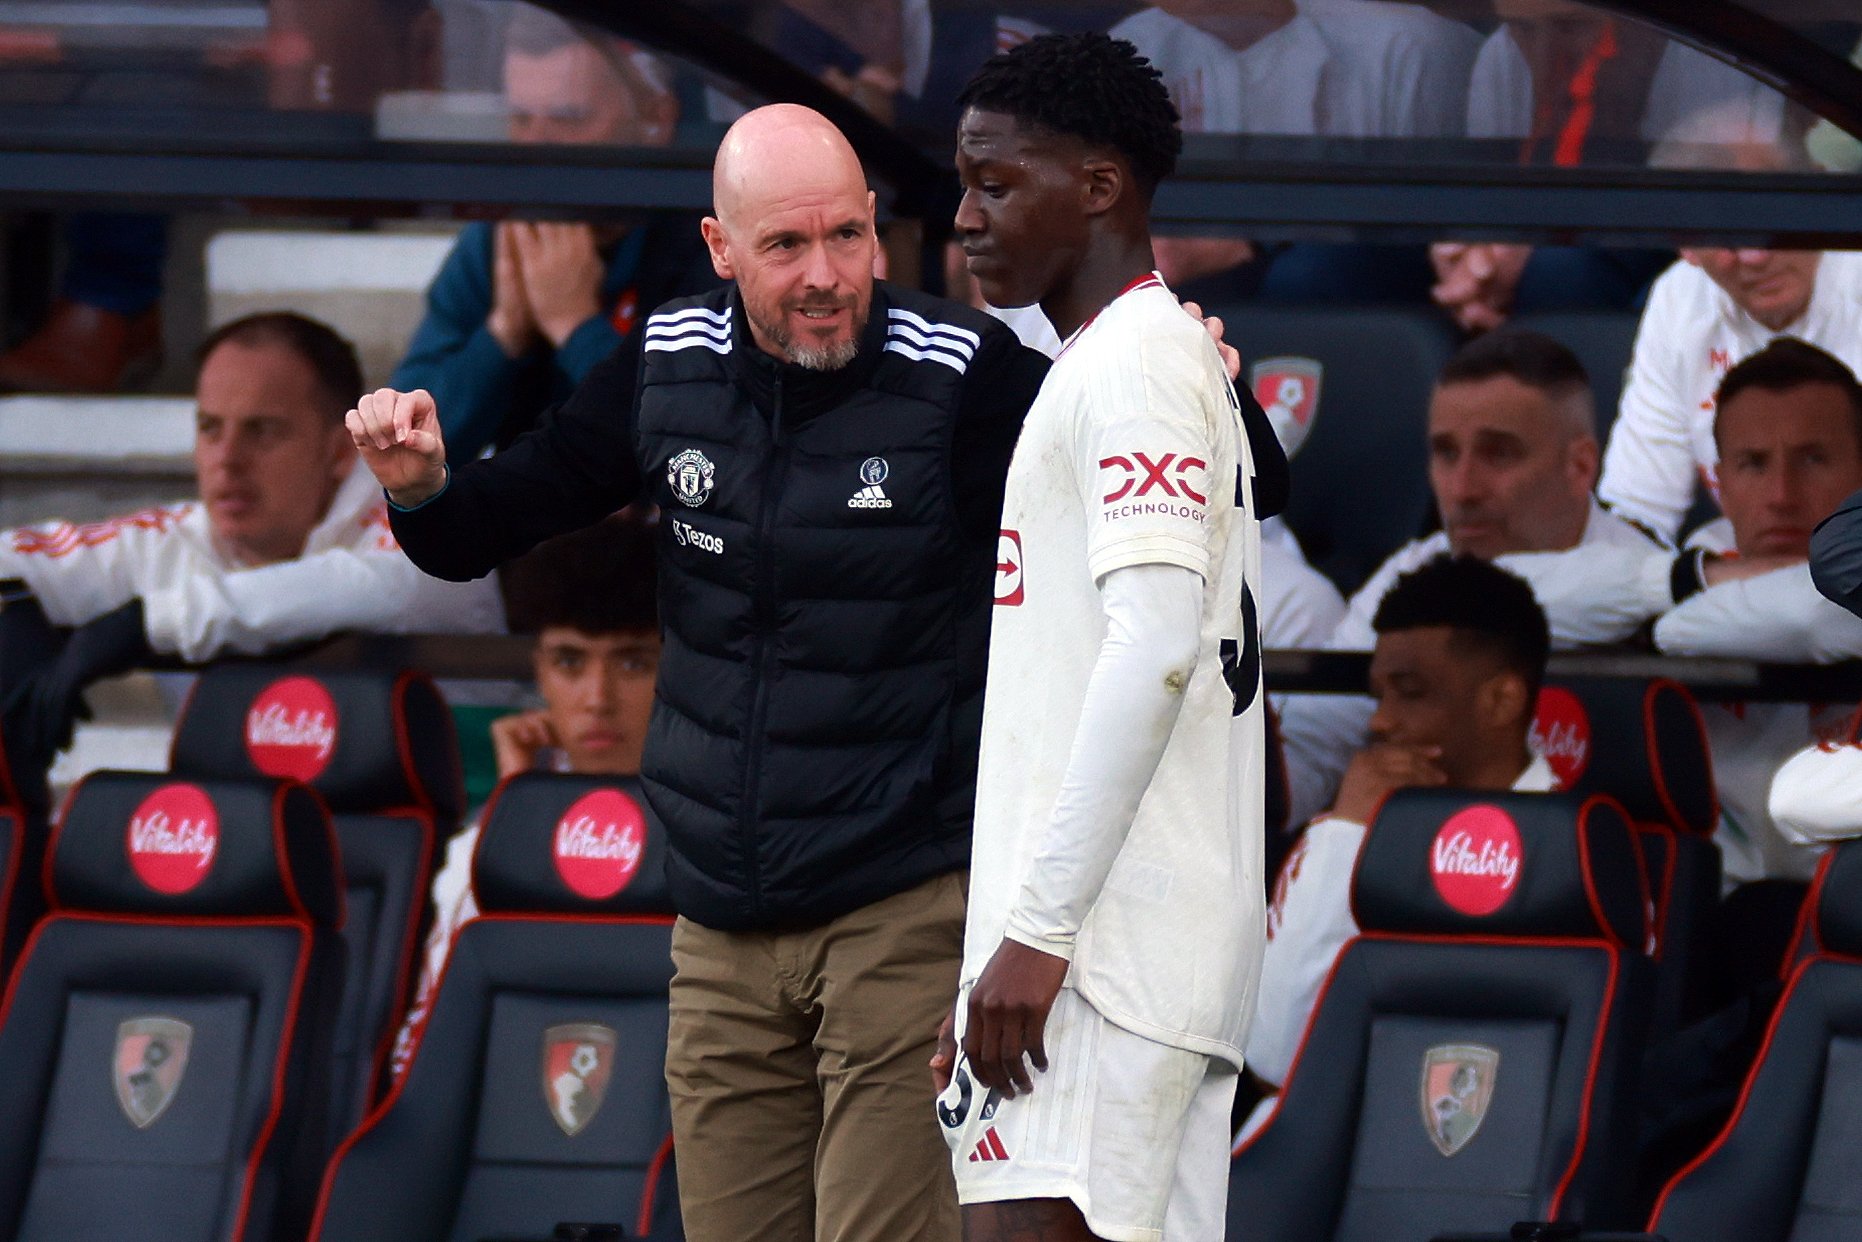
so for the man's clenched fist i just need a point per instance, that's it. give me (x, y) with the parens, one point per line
(398, 435)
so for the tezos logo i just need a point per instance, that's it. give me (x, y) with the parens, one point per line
(291, 729)
(599, 843)
(173, 837)
(1475, 860)
(1560, 733)
(1141, 472)
(689, 536)
(689, 475)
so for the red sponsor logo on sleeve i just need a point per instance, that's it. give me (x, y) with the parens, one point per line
(291, 729)
(1475, 860)
(173, 837)
(599, 842)
(1009, 583)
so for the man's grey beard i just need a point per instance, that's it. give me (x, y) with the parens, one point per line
(816, 357)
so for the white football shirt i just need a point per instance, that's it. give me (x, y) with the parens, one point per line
(1132, 454)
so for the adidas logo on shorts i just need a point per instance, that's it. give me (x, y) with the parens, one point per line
(989, 1148)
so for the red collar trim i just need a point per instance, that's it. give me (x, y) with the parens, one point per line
(1143, 282)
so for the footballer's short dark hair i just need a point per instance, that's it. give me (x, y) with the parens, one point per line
(1785, 364)
(1091, 86)
(1489, 610)
(601, 579)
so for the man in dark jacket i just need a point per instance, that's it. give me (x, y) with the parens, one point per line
(829, 456)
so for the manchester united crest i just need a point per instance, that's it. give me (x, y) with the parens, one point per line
(1457, 1087)
(689, 475)
(578, 1064)
(151, 1057)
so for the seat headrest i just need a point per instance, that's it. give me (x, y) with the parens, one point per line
(1838, 894)
(570, 845)
(1456, 861)
(367, 740)
(147, 843)
(1642, 743)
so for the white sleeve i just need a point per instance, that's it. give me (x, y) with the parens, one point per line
(1777, 616)
(249, 611)
(1299, 605)
(78, 572)
(1649, 471)
(1596, 593)
(1308, 922)
(1153, 632)
(1816, 795)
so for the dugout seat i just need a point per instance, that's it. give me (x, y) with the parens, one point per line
(1644, 744)
(379, 747)
(166, 1035)
(1783, 1169)
(1472, 1058)
(536, 1095)
(1360, 379)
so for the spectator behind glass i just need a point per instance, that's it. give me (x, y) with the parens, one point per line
(521, 311)
(1789, 430)
(589, 597)
(104, 330)
(287, 541)
(1344, 68)
(1512, 459)
(1460, 652)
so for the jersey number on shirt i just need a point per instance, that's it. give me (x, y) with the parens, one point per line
(1241, 657)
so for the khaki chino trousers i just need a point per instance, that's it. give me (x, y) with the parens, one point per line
(802, 1104)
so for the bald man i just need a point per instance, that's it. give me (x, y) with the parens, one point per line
(828, 453)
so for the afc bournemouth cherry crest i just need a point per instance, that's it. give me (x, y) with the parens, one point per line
(291, 729)
(151, 1057)
(578, 1064)
(689, 475)
(1457, 1087)
(1288, 390)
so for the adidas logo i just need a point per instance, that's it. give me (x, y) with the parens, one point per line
(989, 1148)
(869, 498)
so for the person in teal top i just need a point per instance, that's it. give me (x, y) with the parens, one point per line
(522, 310)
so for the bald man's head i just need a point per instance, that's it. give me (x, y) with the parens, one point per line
(794, 228)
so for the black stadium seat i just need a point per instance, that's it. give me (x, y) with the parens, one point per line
(1471, 1061)
(1644, 744)
(536, 1095)
(166, 1036)
(379, 748)
(22, 857)
(1784, 1169)
(1364, 375)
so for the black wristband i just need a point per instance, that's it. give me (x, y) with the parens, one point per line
(1688, 577)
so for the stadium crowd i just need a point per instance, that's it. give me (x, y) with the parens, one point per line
(1680, 523)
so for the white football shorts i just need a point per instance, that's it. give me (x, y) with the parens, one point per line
(1134, 1132)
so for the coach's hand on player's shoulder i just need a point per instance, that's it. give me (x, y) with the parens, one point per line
(1007, 1024)
(398, 435)
(1381, 769)
(1212, 324)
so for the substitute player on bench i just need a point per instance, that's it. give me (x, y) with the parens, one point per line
(1115, 924)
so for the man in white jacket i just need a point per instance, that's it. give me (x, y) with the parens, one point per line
(286, 543)
(1461, 649)
(1512, 459)
(1705, 314)
(1789, 435)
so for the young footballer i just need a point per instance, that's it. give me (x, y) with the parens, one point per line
(1115, 918)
